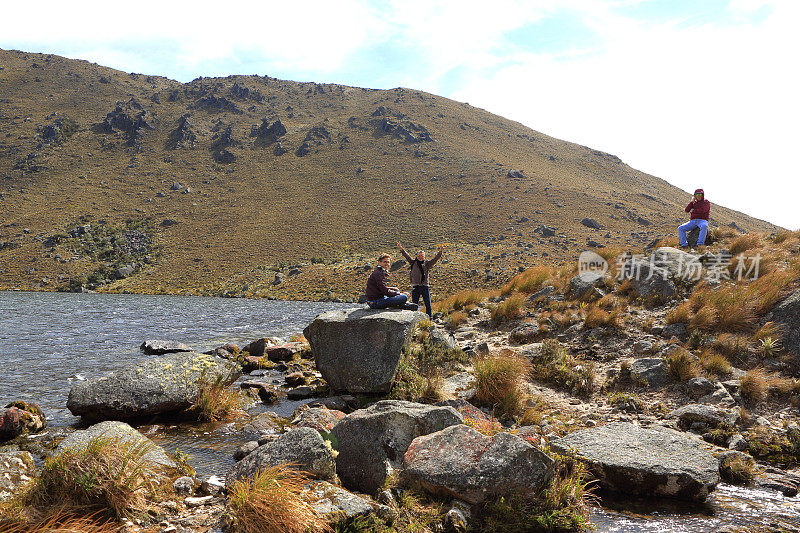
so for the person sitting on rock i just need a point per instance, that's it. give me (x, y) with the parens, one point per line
(699, 208)
(379, 296)
(419, 276)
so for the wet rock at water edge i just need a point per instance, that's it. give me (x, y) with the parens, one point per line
(161, 347)
(303, 447)
(164, 384)
(371, 442)
(647, 462)
(120, 432)
(20, 418)
(461, 462)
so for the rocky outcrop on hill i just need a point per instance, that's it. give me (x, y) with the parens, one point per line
(121, 432)
(371, 442)
(216, 104)
(303, 447)
(461, 462)
(129, 118)
(267, 133)
(164, 384)
(403, 129)
(358, 350)
(184, 134)
(647, 462)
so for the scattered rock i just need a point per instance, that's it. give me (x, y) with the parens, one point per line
(787, 315)
(168, 383)
(16, 470)
(358, 350)
(697, 387)
(304, 447)
(318, 418)
(183, 485)
(461, 462)
(652, 370)
(263, 423)
(245, 449)
(20, 418)
(591, 223)
(584, 282)
(524, 334)
(158, 347)
(707, 415)
(648, 462)
(440, 337)
(675, 330)
(340, 505)
(300, 393)
(371, 442)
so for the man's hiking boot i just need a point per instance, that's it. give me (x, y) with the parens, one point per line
(410, 307)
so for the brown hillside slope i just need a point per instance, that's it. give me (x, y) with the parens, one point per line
(355, 170)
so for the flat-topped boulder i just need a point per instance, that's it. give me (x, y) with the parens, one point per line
(164, 384)
(371, 442)
(461, 462)
(358, 350)
(646, 462)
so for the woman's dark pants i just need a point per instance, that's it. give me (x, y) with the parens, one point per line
(425, 292)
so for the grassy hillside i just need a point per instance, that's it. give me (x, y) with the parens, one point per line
(214, 186)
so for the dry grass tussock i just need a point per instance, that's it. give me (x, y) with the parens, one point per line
(554, 364)
(58, 522)
(420, 372)
(714, 363)
(108, 476)
(682, 365)
(562, 506)
(509, 309)
(217, 402)
(758, 384)
(596, 317)
(745, 242)
(455, 319)
(500, 380)
(459, 301)
(274, 501)
(529, 281)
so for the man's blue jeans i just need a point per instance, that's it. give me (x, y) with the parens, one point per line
(425, 292)
(689, 226)
(398, 300)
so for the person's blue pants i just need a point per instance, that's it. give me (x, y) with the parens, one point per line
(689, 226)
(398, 300)
(425, 292)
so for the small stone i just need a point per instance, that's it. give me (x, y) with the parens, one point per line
(183, 485)
(197, 501)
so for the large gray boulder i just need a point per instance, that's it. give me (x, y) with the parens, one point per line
(303, 447)
(652, 370)
(787, 315)
(119, 432)
(680, 265)
(652, 282)
(648, 462)
(358, 350)
(160, 385)
(584, 282)
(461, 462)
(371, 442)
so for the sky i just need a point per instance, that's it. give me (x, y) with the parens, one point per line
(701, 93)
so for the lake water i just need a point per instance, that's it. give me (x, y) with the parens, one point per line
(49, 340)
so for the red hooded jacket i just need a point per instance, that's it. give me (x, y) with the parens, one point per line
(699, 209)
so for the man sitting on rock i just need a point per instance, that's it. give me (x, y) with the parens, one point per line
(699, 208)
(379, 296)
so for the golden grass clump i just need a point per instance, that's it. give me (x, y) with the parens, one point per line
(217, 402)
(681, 314)
(58, 522)
(745, 242)
(738, 470)
(597, 317)
(274, 501)
(715, 363)
(500, 378)
(528, 281)
(681, 365)
(754, 386)
(108, 476)
(455, 319)
(459, 301)
(731, 345)
(554, 364)
(509, 309)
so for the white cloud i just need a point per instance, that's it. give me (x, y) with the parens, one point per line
(710, 106)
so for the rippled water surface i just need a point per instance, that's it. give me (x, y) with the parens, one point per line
(49, 340)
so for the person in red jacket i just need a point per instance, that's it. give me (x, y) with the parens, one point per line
(699, 209)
